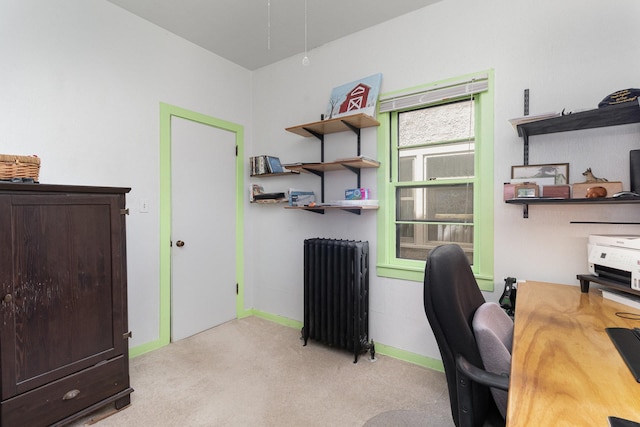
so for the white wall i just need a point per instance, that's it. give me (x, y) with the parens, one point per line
(570, 54)
(81, 84)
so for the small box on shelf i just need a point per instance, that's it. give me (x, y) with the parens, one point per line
(509, 191)
(356, 194)
(562, 191)
(301, 197)
(580, 189)
(526, 190)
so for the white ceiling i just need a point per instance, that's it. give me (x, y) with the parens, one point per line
(253, 34)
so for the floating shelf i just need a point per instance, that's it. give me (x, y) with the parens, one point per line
(321, 209)
(266, 175)
(334, 166)
(270, 201)
(339, 124)
(612, 115)
(552, 201)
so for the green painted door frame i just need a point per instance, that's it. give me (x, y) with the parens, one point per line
(166, 112)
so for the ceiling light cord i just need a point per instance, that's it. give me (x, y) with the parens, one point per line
(268, 24)
(305, 60)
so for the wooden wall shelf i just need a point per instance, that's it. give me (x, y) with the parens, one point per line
(339, 124)
(551, 201)
(353, 123)
(334, 166)
(614, 115)
(266, 175)
(321, 209)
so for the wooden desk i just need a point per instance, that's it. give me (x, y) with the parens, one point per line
(565, 371)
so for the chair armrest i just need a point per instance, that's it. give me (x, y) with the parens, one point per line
(481, 376)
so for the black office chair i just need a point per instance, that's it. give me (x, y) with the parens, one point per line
(451, 298)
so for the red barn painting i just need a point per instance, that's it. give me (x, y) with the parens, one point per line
(356, 99)
(359, 96)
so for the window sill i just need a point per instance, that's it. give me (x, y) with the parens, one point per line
(417, 275)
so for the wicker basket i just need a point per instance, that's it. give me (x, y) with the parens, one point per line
(12, 166)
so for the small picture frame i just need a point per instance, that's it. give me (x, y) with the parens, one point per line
(558, 171)
(526, 190)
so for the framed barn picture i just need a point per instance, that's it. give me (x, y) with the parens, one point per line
(356, 97)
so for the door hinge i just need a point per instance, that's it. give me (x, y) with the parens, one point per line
(124, 211)
(127, 335)
(236, 151)
(237, 289)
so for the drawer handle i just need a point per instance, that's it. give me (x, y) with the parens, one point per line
(70, 394)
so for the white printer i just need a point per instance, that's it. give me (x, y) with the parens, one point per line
(615, 257)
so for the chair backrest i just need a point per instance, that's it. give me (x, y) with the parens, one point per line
(451, 298)
(493, 330)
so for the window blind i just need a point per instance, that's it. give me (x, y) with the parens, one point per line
(437, 93)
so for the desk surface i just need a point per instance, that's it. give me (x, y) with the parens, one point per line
(565, 371)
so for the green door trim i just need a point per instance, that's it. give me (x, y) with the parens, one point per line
(166, 112)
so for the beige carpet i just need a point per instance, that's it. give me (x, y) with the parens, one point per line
(253, 372)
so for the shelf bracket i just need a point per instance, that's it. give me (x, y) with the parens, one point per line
(318, 211)
(356, 171)
(321, 175)
(525, 137)
(355, 130)
(320, 136)
(525, 146)
(314, 133)
(353, 211)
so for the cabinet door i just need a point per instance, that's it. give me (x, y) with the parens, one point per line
(62, 277)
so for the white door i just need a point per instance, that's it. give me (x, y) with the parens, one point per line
(203, 226)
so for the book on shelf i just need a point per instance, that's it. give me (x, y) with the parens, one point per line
(263, 165)
(269, 196)
(257, 194)
(274, 164)
(257, 165)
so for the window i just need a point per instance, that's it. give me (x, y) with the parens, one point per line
(437, 185)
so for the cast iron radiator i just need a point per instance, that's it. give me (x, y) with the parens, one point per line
(336, 294)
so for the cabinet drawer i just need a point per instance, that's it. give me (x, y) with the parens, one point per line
(60, 399)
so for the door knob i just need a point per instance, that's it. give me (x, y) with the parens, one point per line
(7, 298)
(179, 243)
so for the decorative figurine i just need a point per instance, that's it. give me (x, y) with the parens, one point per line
(589, 177)
(596, 192)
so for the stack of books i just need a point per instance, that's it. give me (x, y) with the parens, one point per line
(263, 165)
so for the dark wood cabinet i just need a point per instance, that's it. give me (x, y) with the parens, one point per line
(63, 300)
